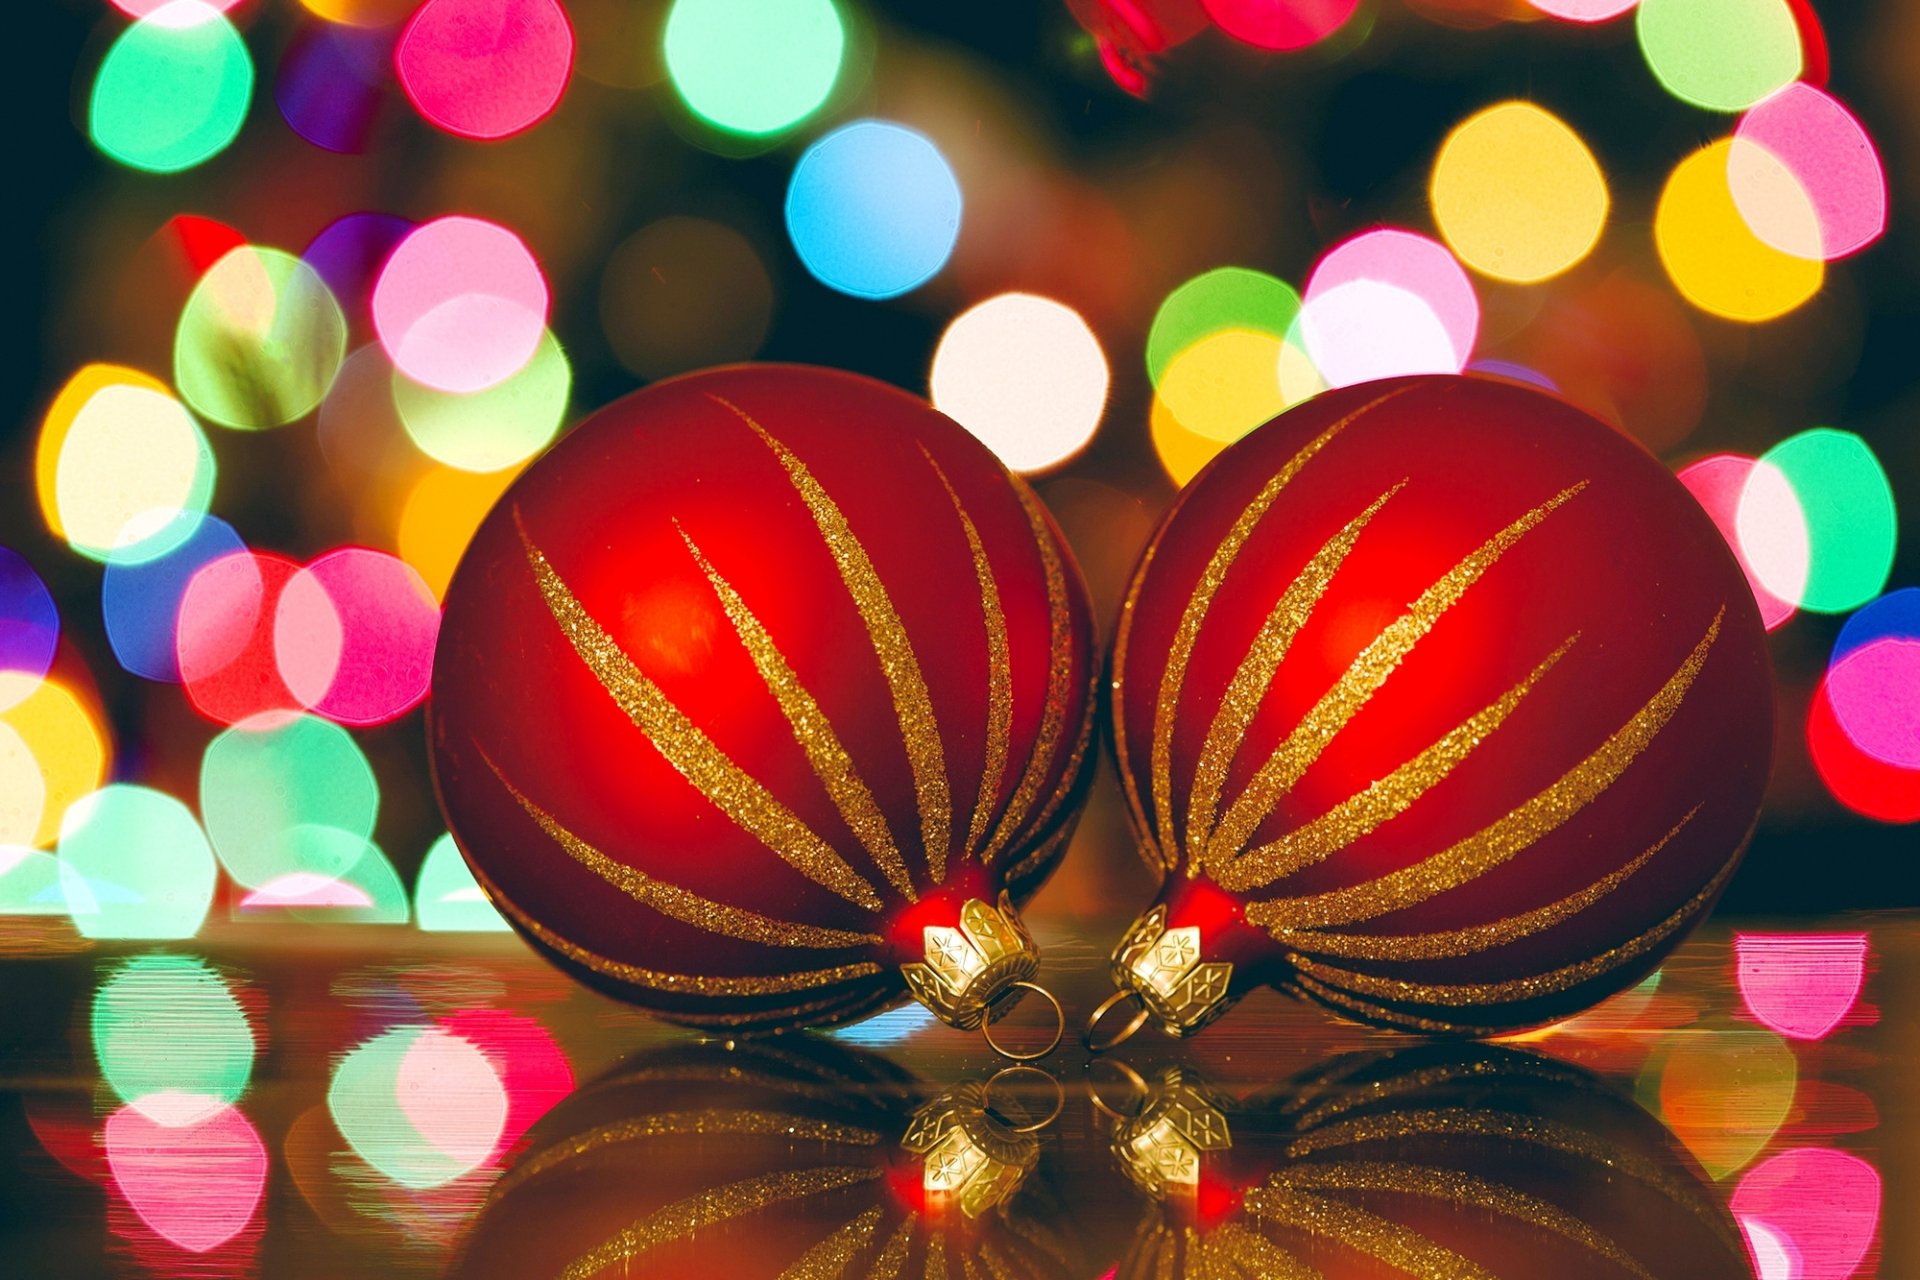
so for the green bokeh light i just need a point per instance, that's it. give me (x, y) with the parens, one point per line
(260, 340)
(1220, 299)
(171, 1037)
(263, 780)
(754, 67)
(1851, 523)
(30, 883)
(134, 864)
(173, 90)
(1723, 55)
(375, 1105)
(447, 899)
(492, 429)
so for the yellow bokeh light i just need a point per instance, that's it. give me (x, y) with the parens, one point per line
(1517, 195)
(362, 13)
(1214, 392)
(54, 428)
(1712, 255)
(442, 510)
(23, 792)
(131, 463)
(65, 749)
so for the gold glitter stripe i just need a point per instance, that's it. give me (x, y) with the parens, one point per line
(1496, 844)
(1362, 680)
(1053, 716)
(811, 729)
(1366, 1010)
(1255, 1255)
(919, 730)
(1386, 798)
(1147, 845)
(1248, 688)
(731, 789)
(1390, 1242)
(684, 1217)
(829, 1259)
(894, 1255)
(675, 1123)
(1514, 989)
(1310, 1114)
(1480, 937)
(1076, 759)
(682, 904)
(1045, 850)
(1180, 653)
(935, 1263)
(999, 738)
(1462, 1190)
(680, 983)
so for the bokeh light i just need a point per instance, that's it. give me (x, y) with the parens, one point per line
(461, 304)
(1713, 257)
(173, 89)
(362, 13)
(873, 209)
(1875, 694)
(1517, 194)
(331, 84)
(1723, 55)
(491, 429)
(684, 293)
(1719, 483)
(485, 68)
(533, 1068)
(1800, 984)
(754, 67)
(131, 472)
(1280, 24)
(260, 340)
(135, 864)
(446, 897)
(1387, 302)
(1213, 301)
(1856, 778)
(419, 1104)
(438, 520)
(1025, 375)
(1806, 177)
(196, 1185)
(262, 782)
(1219, 389)
(29, 878)
(57, 754)
(1894, 616)
(349, 253)
(171, 1038)
(1584, 10)
(223, 646)
(1846, 504)
(29, 627)
(140, 601)
(1724, 1093)
(337, 878)
(1821, 1206)
(354, 634)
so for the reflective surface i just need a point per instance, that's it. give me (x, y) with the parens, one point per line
(367, 1102)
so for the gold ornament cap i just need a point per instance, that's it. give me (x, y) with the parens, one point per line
(974, 971)
(1162, 1147)
(1162, 969)
(967, 1153)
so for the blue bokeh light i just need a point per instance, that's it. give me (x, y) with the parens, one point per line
(141, 600)
(873, 209)
(29, 622)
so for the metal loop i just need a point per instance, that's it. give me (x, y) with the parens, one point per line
(1125, 1033)
(1059, 1097)
(1133, 1078)
(1059, 1024)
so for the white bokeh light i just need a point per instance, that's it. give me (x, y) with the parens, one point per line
(1024, 374)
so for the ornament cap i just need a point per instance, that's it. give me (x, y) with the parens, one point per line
(1178, 989)
(967, 1152)
(974, 970)
(1163, 1146)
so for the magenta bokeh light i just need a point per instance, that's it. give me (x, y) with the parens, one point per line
(460, 304)
(1821, 1206)
(1280, 24)
(1717, 483)
(197, 1185)
(485, 68)
(354, 634)
(1827, 152)
(1800, 984)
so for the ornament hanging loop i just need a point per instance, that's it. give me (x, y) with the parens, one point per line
(1021, 1068)
(1100, 1044)
(1000, 1004)
(1134, 1082)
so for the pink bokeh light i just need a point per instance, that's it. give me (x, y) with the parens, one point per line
(224, 637)
(1280, 24)
(196, 1185)
(533, 1068)
(1818, 1206)
(1859, 780)
(1826, 152)
(485, 68)
(1801, 985)
(1875, 692)
(1411, 263)
(460, 304)
(354, 634)
(452, 1095)
(1717, 483)
(1584, 10)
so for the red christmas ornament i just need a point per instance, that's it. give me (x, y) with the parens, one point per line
(1437, 1161)
(762, 698)
(1438, 702)
(747, 1161)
